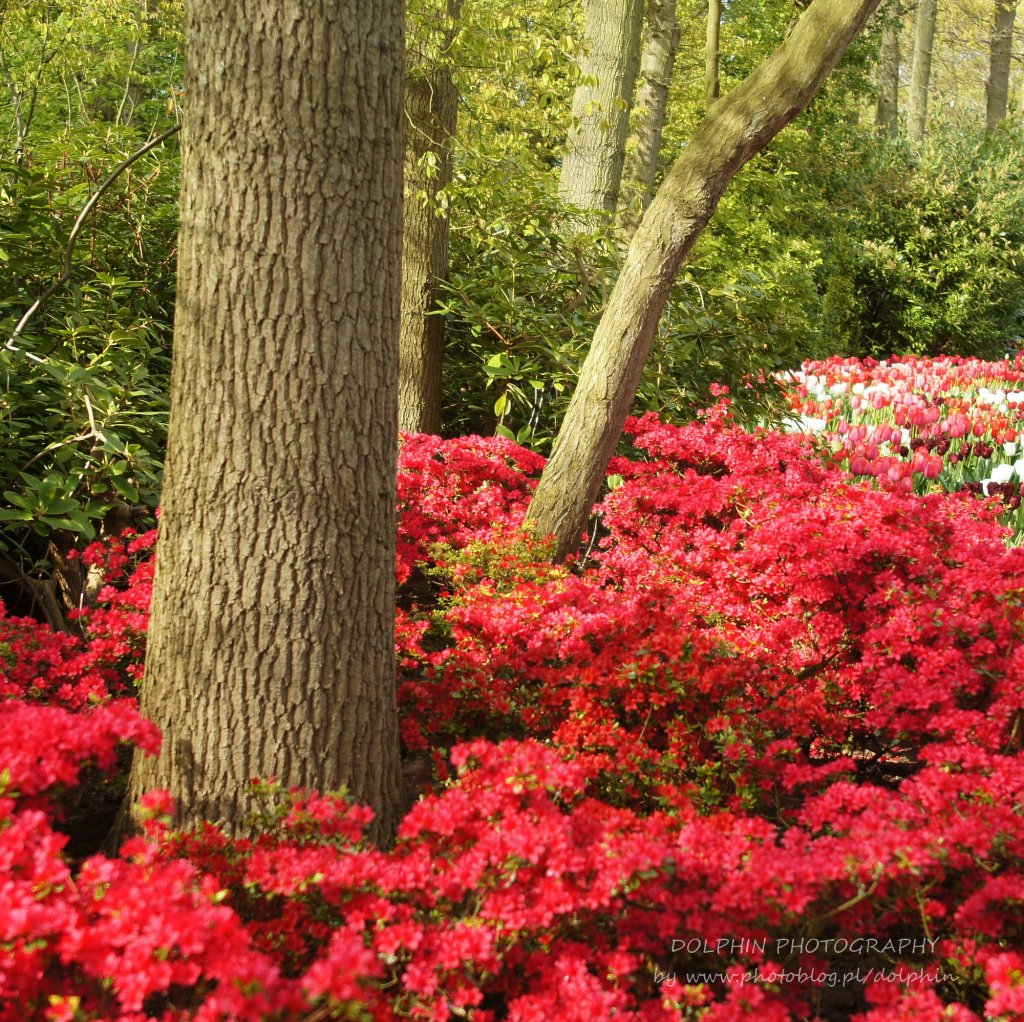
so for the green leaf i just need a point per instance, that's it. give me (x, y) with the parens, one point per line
(18, 500)
(82, 523)
(66, 524)
(61, 506)
(125, 488)
(48, 491)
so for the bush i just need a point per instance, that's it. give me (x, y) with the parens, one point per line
(83, 389)
(760, 753)
(936, 268)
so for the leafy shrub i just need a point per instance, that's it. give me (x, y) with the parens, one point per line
(936, 267)
(83, 389)
(524, 298)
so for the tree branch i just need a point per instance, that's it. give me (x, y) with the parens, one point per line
(69, 251)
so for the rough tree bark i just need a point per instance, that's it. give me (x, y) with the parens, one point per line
(997, 86)
(596, 142)
(739, 125)
(712, 53)
(640, 167)
(887, 108)
(921, 68)
(271, 638)
(431, 108)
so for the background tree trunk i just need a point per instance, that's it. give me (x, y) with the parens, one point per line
(921, 69)
(431, 108)
(997, 87)
(712, 53)
(738, 127)
(596, 141)
(271, 638)
(888, 105)
(640, 168)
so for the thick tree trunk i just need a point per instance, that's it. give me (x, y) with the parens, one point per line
(887, 107)
(739, 125)
(431, 108)
(921, 69)
(712, 52)
(661, 37)
(271, 639)
(596, 143)
(997, 87)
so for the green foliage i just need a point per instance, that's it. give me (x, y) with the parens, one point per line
(937, 265)
(523, 294)
(745, 306)
(524, 297)
(83, 389)
(841, 306)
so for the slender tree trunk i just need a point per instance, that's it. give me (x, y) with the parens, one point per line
(997, 87)
(596, 142)
(739, 126)
(921, 69)
(661, 37)
(431, 107)
(271, 638)
(712, 54)
(887, 108)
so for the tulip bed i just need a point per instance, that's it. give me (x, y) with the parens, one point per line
(921, 423)
(759, 753)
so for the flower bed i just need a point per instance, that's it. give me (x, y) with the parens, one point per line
(760, 754)
(920, 423)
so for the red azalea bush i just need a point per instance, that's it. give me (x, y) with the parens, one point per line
(760, 753)
(105, 657)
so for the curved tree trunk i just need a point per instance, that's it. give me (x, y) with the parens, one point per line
(661, 37)
(712, 54)
(431, 108)
(997, 87)
(921, 70)
(271, 637)
(887, 107)
(596, 142)
(738, 127)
